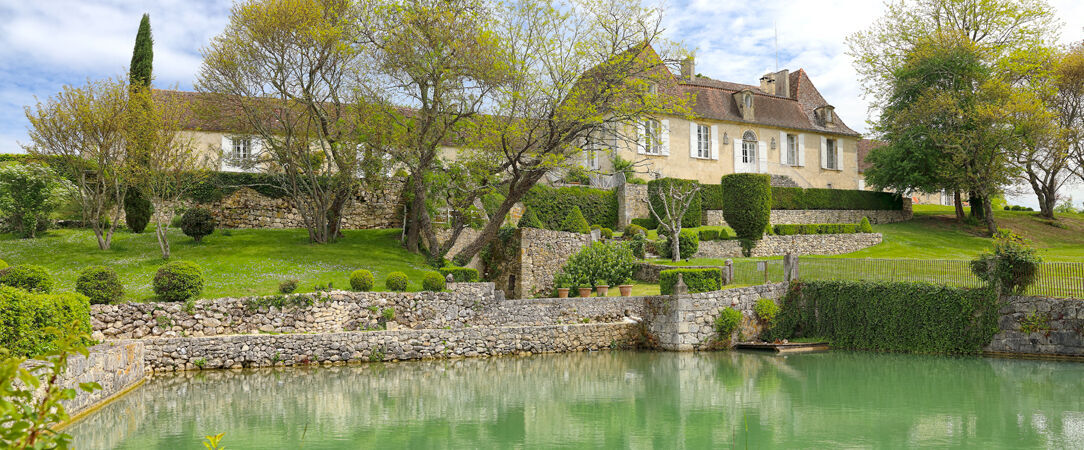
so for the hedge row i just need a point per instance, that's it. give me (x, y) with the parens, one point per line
(711, 197)
(698, 280)
(552, 205)
(24, 316)
(814, 198)
(889, 316)
(217, 185)
(815, 228)
(693, 214)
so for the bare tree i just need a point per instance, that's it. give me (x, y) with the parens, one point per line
(85, 127)
(675, 197)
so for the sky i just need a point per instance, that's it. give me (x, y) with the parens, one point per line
(45, 44)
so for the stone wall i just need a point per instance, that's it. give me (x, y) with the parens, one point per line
(246, 208)
(525, 265)
(115, 366)
(1059, 323)
(631, 203)
(220, 352)
(686, 322)
(799, 244)
(811, 216)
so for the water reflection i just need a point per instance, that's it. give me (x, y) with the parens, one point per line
(604, 399)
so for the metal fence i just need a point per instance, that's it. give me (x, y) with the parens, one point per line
(753, 272)
(1058, 279)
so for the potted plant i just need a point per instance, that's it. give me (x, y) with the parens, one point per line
(601, 288)
(561, 282)
(584, 288)
(625, 287)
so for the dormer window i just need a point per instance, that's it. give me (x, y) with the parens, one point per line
(748, 100)
(826, 114)
(744, 101)
(653, 89)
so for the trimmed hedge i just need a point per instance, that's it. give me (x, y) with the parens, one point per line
(100, 284)
(178, 281)
(817, 228)
(552, 205)
(747, 201)
(711, 197)
(217, 185)
(197, 223)
(24, 316)
(698, 280)
(362, 280)
(688, 244)
(630, 231)
(433, 281)
(27, 277)
(890, 316)
(692, 216)
(396, 281)
(646, 223)
(816, 198)
(460, 274)
(714, 234)
(575, 222)
(529, 220)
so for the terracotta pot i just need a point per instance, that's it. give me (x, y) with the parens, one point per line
(626, 290)
(585, 292)
(562, 292)
(602, 290)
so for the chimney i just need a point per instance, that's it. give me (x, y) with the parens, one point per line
(767, 84)
(776, 83)
(688, 68)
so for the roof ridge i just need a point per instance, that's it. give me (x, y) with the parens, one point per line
(755, 92)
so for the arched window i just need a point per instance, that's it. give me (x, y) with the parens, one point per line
(749, 147)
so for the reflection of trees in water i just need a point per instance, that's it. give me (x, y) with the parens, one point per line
(609, 399)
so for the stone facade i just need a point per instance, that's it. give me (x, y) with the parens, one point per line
(246, 208)
(525, 265)
(686, 322)
(114, 366)
(631, 203)
(221, 352)
(1058, 327)
(799, 244)
(811, 216)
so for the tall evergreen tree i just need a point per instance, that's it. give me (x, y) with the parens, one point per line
(137, 208)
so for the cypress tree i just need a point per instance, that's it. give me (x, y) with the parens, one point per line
(137, 208)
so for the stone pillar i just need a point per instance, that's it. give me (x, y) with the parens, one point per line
(790, 267)
(680, 288)
(623, 214)
(728, 272)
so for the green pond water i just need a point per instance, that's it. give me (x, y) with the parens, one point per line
(611, 399)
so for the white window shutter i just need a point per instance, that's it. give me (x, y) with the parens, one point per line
(715, 142)
(641, 138)
(665, 137)
(824, 152)
(861, 184)
(762, 156)
(784, 148)
(737, 156)
(694, 144)
(801, 150)
(839, 154)
(227, 147)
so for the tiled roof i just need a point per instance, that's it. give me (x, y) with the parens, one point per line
(864, 147)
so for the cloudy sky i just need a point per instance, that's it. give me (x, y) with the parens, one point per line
(45, 44)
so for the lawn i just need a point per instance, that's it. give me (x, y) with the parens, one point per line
(235, 262)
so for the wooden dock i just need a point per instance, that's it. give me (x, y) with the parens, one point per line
(790, 347)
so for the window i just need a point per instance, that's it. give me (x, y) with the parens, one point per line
(748, 100)
(652, 137)
(829, 185)
(652, 89)
(749, 147)
(703, 141)
(242, 148)
(792, 150)
(828, 115)
(833, 158)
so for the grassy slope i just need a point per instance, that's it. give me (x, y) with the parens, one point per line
(247, 262)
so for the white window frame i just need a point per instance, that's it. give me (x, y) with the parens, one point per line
(703, 141)
(792, 149)
(241, 148)
(240, 153)
(652, 137)
(833, 154)
(749, 148)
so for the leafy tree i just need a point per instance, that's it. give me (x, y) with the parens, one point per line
(137, 208)
(85, 128)
(28, 194)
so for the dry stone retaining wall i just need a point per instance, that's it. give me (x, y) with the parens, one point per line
(1060, 322)
(798, 244)
(526, 265)
(246, 208)
(812, 216)
(686, 322)
(114, 366)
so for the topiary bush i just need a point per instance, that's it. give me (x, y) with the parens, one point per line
(197, 223)
(575, 223)
(693, 214)
(178, 281)
(711, 197)
(460, 274)
(688, 245)
(137, 210)
(361, 280)
(27, 277)
(100, 284)
(24, 317)
(633, 230)
(433, 281)
(817, 198)
(747, 201)
(529, 219)
(552, 205)
(864, 226)
(611, 261)
(288, 286)
(709, 235)
(766, 310)
(728, 320)
(698, 280)
(396, 281)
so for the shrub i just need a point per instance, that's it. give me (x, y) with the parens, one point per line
(552, 205)
(529, 219)
(396, 281)
(729, 319)
(491, 202)
(698, 280)
(693, 214)
(361, 280)
(24, 317)
(645, 223)
(747, 199)
(637, 244)
(816, 198)
(197, 223)
(460, 274)
(100, 284)
(818, 228)
(1013, 263)
(747, 246)
(889, 316)
(3, 264)
(29, 193)
(766, 309)
(637, 180)
(178, 281)
(709, 235)
(633, 230)
(610, 261)
(433, 281)
(688, 244)
(575, 223)
(606, 233)
(27, 277)
(577, 175)
(288, 286)
(711, 197)
(864, 226)
(137, 210)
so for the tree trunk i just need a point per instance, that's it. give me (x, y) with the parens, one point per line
(163, 240)
(988, 216)
(978, 206)
(515, 194)
(959, 204)
(417, 204)
(675, 243)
